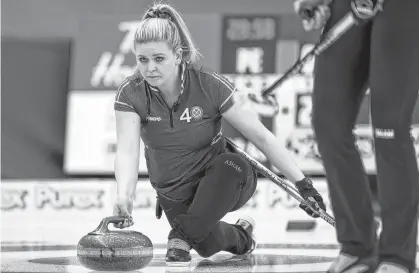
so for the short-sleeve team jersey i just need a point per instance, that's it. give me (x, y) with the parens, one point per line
(179, 142)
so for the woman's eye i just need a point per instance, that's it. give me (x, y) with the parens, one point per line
(142, 59)
(159, 59)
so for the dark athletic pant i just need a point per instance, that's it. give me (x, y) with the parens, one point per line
(383, 54)
(229, 182)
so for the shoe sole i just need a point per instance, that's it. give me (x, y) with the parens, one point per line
(178, 264)
(364, 265)
(252, 222)
(256, 245)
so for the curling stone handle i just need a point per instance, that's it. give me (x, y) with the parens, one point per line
(103, 226)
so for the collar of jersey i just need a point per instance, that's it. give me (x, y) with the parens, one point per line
(153, 88)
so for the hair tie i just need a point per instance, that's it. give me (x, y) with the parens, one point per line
(156, 13)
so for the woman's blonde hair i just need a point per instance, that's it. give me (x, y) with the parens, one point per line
(162, 23)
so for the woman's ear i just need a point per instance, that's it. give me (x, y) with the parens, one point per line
(178, 56)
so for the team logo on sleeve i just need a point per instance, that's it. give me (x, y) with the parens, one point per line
(197, 113)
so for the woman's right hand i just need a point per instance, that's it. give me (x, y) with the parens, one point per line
(123, 207)
(314, 13)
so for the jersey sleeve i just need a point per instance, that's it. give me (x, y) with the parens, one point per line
(222, 91)
(123, 100)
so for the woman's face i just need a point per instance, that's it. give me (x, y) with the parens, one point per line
(157, 63)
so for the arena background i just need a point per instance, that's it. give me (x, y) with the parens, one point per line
(61, 64)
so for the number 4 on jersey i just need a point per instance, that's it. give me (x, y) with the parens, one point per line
(185, 115)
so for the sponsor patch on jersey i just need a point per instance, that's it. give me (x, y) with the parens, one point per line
(156, 119)
(197, 112)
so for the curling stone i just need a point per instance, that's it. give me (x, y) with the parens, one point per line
(114, 250)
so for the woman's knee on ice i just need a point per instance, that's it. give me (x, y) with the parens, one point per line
(205, 250)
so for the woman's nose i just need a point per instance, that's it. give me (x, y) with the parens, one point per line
(151, 67)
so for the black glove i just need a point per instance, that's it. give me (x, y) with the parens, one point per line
(311, 195)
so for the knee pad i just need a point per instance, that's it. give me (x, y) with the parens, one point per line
(232, 163)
